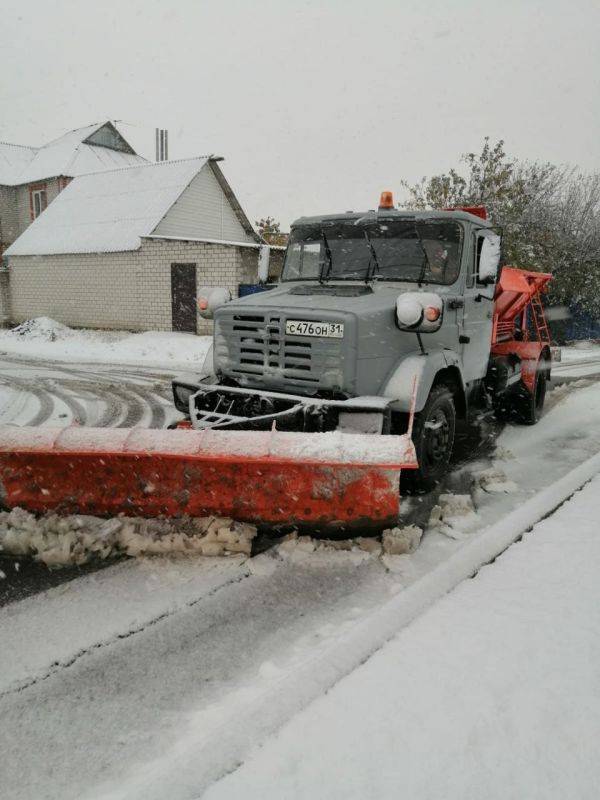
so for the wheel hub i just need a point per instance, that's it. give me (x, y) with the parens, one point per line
(437, 436)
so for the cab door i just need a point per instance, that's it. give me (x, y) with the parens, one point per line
(477, 319)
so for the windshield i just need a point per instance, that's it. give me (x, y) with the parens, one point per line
(392, 250)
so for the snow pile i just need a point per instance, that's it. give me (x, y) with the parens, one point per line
(454, 515)
(42, 329)
(394, 541)
(58, 541)
(48, 339)
(494, 481)
(298, 549)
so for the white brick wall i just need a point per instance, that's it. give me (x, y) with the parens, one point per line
(129, 290)
(9, 229)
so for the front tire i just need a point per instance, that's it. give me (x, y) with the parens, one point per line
(433, 436)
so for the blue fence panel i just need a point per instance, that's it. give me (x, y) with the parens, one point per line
(245, 289)
(582, 325)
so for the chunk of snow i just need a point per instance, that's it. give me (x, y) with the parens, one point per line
(77, 539)
(398, 541)
(494, 480)
(454, 515)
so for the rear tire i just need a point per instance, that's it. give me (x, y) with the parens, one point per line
(531, 404)
(433, 436)
(523, 406)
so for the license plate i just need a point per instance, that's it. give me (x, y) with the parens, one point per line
(329, 330)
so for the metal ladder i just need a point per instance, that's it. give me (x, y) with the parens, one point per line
(539, 318)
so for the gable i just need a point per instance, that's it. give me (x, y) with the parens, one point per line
(108, 136)
(203, 211)
(107, 211)
(84, 150)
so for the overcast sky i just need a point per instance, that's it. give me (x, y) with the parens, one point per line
(316, 106)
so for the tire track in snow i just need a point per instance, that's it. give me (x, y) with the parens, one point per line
(127, 399)
(44, 398)
(78, 412)
(58, 666)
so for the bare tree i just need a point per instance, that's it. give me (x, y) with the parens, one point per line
(550, 216)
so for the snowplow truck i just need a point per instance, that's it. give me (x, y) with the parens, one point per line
(385, 328)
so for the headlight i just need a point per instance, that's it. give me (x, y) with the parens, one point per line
(409, 312)
(210, 298)
(421, 312)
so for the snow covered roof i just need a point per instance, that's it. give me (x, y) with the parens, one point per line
(108, 211)
(77, 152)
(14, 158)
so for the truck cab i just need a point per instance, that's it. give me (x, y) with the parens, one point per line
(376, 313)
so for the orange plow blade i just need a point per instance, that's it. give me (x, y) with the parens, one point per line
(323, 481)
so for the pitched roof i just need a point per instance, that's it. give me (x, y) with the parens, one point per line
(75, 153)
(108, 211)
(14, 158)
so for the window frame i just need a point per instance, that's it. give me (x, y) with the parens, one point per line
(39, 191)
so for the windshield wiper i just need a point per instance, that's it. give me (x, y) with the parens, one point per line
(374, 258)
(325, 276)
(426, 262)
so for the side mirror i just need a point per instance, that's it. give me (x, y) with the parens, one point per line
(210, 298)
(264, 254)
(420, 312)
(489, 259)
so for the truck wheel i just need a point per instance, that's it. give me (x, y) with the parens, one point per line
(433, 435)
(530, 404)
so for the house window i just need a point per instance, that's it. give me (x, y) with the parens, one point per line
(38, 201)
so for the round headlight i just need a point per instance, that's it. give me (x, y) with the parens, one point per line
(409, 311)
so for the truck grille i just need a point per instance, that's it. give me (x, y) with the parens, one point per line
(255, 347)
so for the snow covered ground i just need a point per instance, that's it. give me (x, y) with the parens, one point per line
(44, 392)
(109, 672)
(44, 338)
(581, 351)
(494, 692)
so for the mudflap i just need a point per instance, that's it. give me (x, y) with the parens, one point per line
(326, 481)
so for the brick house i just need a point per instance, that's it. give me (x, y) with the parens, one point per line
(128, 248)
(32, 177)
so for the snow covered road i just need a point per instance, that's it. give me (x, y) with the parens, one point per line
(34, 392)
(104, 674)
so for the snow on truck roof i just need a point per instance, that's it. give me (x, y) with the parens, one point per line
(392, 213)
(89, 149)
(108, 211)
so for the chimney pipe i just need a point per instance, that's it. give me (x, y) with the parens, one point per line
(162, 144)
